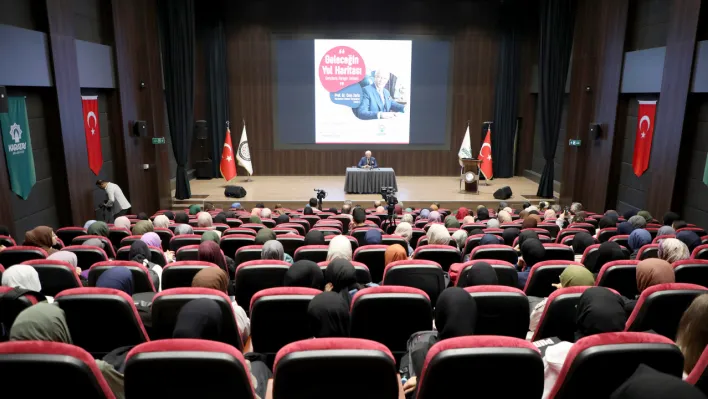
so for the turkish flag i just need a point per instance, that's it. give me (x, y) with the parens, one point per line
(485, 155)
(228, 163)
(92, 132)
(645, 132)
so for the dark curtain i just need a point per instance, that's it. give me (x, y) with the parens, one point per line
(507, 92)
(177, 32)
(217, 81)
(555, 43)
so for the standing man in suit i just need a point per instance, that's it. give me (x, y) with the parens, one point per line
(376, 101)
(367, 161)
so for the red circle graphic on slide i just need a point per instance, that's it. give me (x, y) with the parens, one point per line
(341, 67)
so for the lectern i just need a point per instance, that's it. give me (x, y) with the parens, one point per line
(470, 174)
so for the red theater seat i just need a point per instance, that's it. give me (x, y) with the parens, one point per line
(648, 251)
(189, 252)
(107, 245)
(21, 253)
(232, 243)
(620, 275)
(363, 276)
(10, 309)
(506, 272)
(700, 252)
(55, 275)
(692, 271)
(444, 255)
(424, 275)
(501, 310)
(116, 234)
(699, 374)
(67, 234)
(558, 252)
(248, 253)
(184, 240)
(315, 253)
(544, 274)
(500, 252)
(257, 275)
(141, 275)
(373, 256)
(86, 256)
(181, 274)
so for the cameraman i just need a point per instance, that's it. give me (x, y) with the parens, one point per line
(116, 203)
(313, 205)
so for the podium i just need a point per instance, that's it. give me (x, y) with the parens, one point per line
(470, 165)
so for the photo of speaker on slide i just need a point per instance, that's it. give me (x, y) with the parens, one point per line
(376, 99)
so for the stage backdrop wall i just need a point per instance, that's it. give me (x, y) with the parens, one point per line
(249, 29)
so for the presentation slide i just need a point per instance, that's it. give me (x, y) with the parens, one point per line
(362, 91)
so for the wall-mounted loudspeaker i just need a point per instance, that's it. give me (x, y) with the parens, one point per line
(140, 128)
(200, 130)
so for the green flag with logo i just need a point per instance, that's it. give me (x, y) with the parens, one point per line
(18, 147)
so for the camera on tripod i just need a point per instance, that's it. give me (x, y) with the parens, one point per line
(321, 194)
(388, 194)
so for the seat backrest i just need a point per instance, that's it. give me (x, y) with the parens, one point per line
(363, 276)
(141, 276)
(590, 257)
(543, 275)
(700, 231)
(116, 234)
(360, 234)
(128, 241)
(165, 236)
(67, 234)
(248, 253)
(297, 226)
(551, 228)
(239, 230)
(393, 239)
(167, 304)
(648, 251)
(232, 243)
(7, 241)
(570, 231)
(614, 356)
(334, 361)
(605, 234)
(9, 309)
(472, 242)
(184, 240)
(279, 317)
(692, 271)
(558, 252)
(620, 275)
(87, 256)
(660, 307)
(700, 252)
(101, 319)
(291, 243)
(500, 252)
(183, 362)
(622, 240)
(67, 371)
(506, 272)
(181, 274)
(500, 310)
(373, 257)
(315, 253)
(256, 275)
(20, 253)
(444, 255)
(424, 275)
(188, 252)
(588, 227)
(376, 315)
(699, 375)
(55, 275)
(559, 315)
(456, 359)
(107, 244)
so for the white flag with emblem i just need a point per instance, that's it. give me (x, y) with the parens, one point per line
(465, 148)
(243, 154)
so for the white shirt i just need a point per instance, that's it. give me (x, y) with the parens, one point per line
(115, 195)
(552, 365)
(244, 324)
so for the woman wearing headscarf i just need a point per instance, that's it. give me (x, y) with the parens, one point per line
(493, 224)
(315, 237)
(572, 276)
(690, 238)
(405, 230)
(523, 236)
(604, 223)
(692, 334)
(455, 316)
(666, 231)
(599, 311)
(646, 215)
(304, 273)
(637, 240)
(282, 219)
(373, 237)
(438, 235)
(581, 241)
(183, 229)
(549, 214)
(181, 217)
(625, 228)
(340, 277)
(481, 273)
(204, 220)
(394, 253)
(273, 249)
(152, 239)
(638, 222)
(532, 252)
(42, 237)
(211, 236)
(482, 214)
(122, 222)
(202, 319)
(670, 218)
(452, 222)
(673, 250)
(118, 278)
(462, 212)
(504, 217)
(220, 218)
(424, 213)
(161, 222)
(328, 316)
(194, 209)
(434, 217)
(140, 252)
(89, 223)
(460, 237)
(217, 279)
(490, 239)
(23, 277)
(257, 220)
(647, 383)
(529, 222)
(264, 235)
(339, 248)
(468, 219)
(628, 214)
(68, 257)
(509, 235)
(169, 215)
(98, 229)
(650, 272)
(45, 322)
(142, 227)
(608, 252)
(210, 252)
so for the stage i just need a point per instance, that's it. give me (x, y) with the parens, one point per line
(413, 191)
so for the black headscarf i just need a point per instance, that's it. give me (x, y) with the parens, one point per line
(455, 313)
(690, 238)
(282, 219)
(308, 211)
(625, 228)
(304, 273)
(314, 237)
(510, 235)
(342, 275)
(328, 316)
(532, 251)
(525, 235)
(599, 311)
(608, 252)
(143, 216)
(481, 273)
(139, 251)
(670, 218)
(606, 222)
(333, 210)
(581, 241)
(647, 383)
(199, 319)
(476, 231)
(612, 215)
(488, 239)
(170, 215)
(220, 218)
(181, 218)
(629, 214)
(483, 214)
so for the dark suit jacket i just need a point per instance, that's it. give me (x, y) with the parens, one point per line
(372, 162)
(371, 103)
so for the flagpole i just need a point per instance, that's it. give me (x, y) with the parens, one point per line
(248, 179)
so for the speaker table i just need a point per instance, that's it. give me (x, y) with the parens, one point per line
(369, 181)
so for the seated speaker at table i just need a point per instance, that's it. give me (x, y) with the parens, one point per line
(367, 161)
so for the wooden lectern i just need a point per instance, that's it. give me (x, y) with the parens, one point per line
(470, 165)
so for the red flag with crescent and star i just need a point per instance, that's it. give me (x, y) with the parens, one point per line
(93, 133)
(228, 162)
(645, 133)
(485, 155)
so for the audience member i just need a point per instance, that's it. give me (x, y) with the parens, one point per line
(304, 273)
(581, 241)
(673, 250)
(504, 217)
(328, 316)
(646, 215)
(509, 235)
(608, 252)
(194, 209)
(340, 277)
(68, 257)
(169, 215)
(211, 235)
(638, 222)
(493, 224)
(94, 242)
(42, 237)
(529, 223)
(208, 207)
(637, 240)
(462, 212)
(216, 279)
(407, 218)
(274, 250)
(468, 220)
(264, 235)
(666, 231)
(204, 220)
(481, 273)
(650, 272)
(482, 214)
(140, 253)
(451, 222)
(625, 228)
(183, 229)
(576, 207)
(434, 217)
(692, 334)
(373, 237)
(532, 252)
(98, 229)
(359, 216)
(394, 253)
(647, 383)
(405, 230)
(438, 235)
(89, 223)
(604, 223)
(690, 238)
(266, 213)
(679, 224)
(557, 209)
(339, 248)
(220, 218)
(670, 218)
(118, 278)
(314, 237)
(143, 216)
(181, 217)
(161, 222)
(142, 227)
(210, 252)
(424, 213)
(460, 237)
(122, 222)
(24, 277)
(282, 219)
